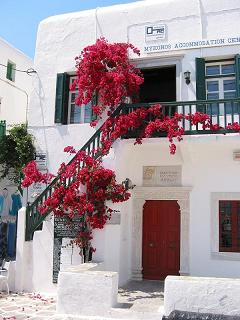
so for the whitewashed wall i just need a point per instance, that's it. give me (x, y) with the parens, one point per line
(14, 95)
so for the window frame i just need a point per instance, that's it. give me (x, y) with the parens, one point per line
(220, 79)
(69, 105)
(215, 253)
(235, 205)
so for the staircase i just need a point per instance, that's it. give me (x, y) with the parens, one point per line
(230, 114)
(34, 218)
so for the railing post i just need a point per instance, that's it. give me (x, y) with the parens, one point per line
(28, 231)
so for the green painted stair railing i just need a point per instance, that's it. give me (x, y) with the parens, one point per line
(221, 112)
(34, 219)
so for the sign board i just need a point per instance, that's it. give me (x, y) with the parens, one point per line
(41, 160)
(162, 46)
(162, 176)
(155, 32)
(62, 229)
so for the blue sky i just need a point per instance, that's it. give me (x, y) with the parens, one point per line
(19, 19)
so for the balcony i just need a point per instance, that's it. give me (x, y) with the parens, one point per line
(221, 112)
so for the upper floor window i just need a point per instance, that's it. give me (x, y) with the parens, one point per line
(218, 80)
(11, 68)
(66, 111)
(229, 226)
(221, 84)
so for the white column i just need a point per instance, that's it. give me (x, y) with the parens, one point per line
(21, 251)
(137, 239)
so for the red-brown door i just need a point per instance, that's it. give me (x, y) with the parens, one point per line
(161, 239)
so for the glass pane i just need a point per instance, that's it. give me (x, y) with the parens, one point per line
(73, 97)
(226, 224)
(228, 68)
(88, 113)
(212, 70)
(212, 109)
(212, 86)
(229, 85)
(230, 95)
(75, 116)
(231, 107)
(213, 96)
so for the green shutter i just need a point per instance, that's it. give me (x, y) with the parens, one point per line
(61, 103)
(237, 66)
(94, 102)
(9, 71)
(200, 79)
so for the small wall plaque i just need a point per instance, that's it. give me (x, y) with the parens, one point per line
(162, 176)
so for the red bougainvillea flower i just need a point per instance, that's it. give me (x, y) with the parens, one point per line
(33, 175)
(104, 71)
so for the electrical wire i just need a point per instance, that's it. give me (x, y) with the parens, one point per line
(28, 71)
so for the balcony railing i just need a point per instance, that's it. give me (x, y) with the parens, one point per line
(221, 112)
(2, 128)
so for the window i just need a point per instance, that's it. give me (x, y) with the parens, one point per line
(218, 80)
(66, 111)
(78, 114)
(11, 67)
(229, 226)
(221, 84)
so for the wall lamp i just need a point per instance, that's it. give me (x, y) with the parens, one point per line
(187, 75)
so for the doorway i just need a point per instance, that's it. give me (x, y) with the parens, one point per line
(161, 239)
(159, 84)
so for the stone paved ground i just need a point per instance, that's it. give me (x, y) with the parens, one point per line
(136, 297)
(23, 306)
(142, 296)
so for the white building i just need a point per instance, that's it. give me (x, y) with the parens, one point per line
(193, 197)
(15, 86)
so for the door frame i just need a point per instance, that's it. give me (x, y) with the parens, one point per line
(158, 62)
(139, 196)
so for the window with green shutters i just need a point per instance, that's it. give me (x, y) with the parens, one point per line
(11, 67)
(66, 111)
(218, 80)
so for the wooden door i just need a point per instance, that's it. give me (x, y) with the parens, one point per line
(161, 239)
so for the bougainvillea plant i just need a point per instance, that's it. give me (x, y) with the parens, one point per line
(104, 70)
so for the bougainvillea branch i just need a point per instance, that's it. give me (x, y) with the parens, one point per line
(33, 175)
(104, 71)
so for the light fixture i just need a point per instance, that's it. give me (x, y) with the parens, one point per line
(127, 183)
(187, 75)
(30, 71)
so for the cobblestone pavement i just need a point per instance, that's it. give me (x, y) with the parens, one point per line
(25, 306)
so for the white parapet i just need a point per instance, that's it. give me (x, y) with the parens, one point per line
(204, 295)
(86, 290)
